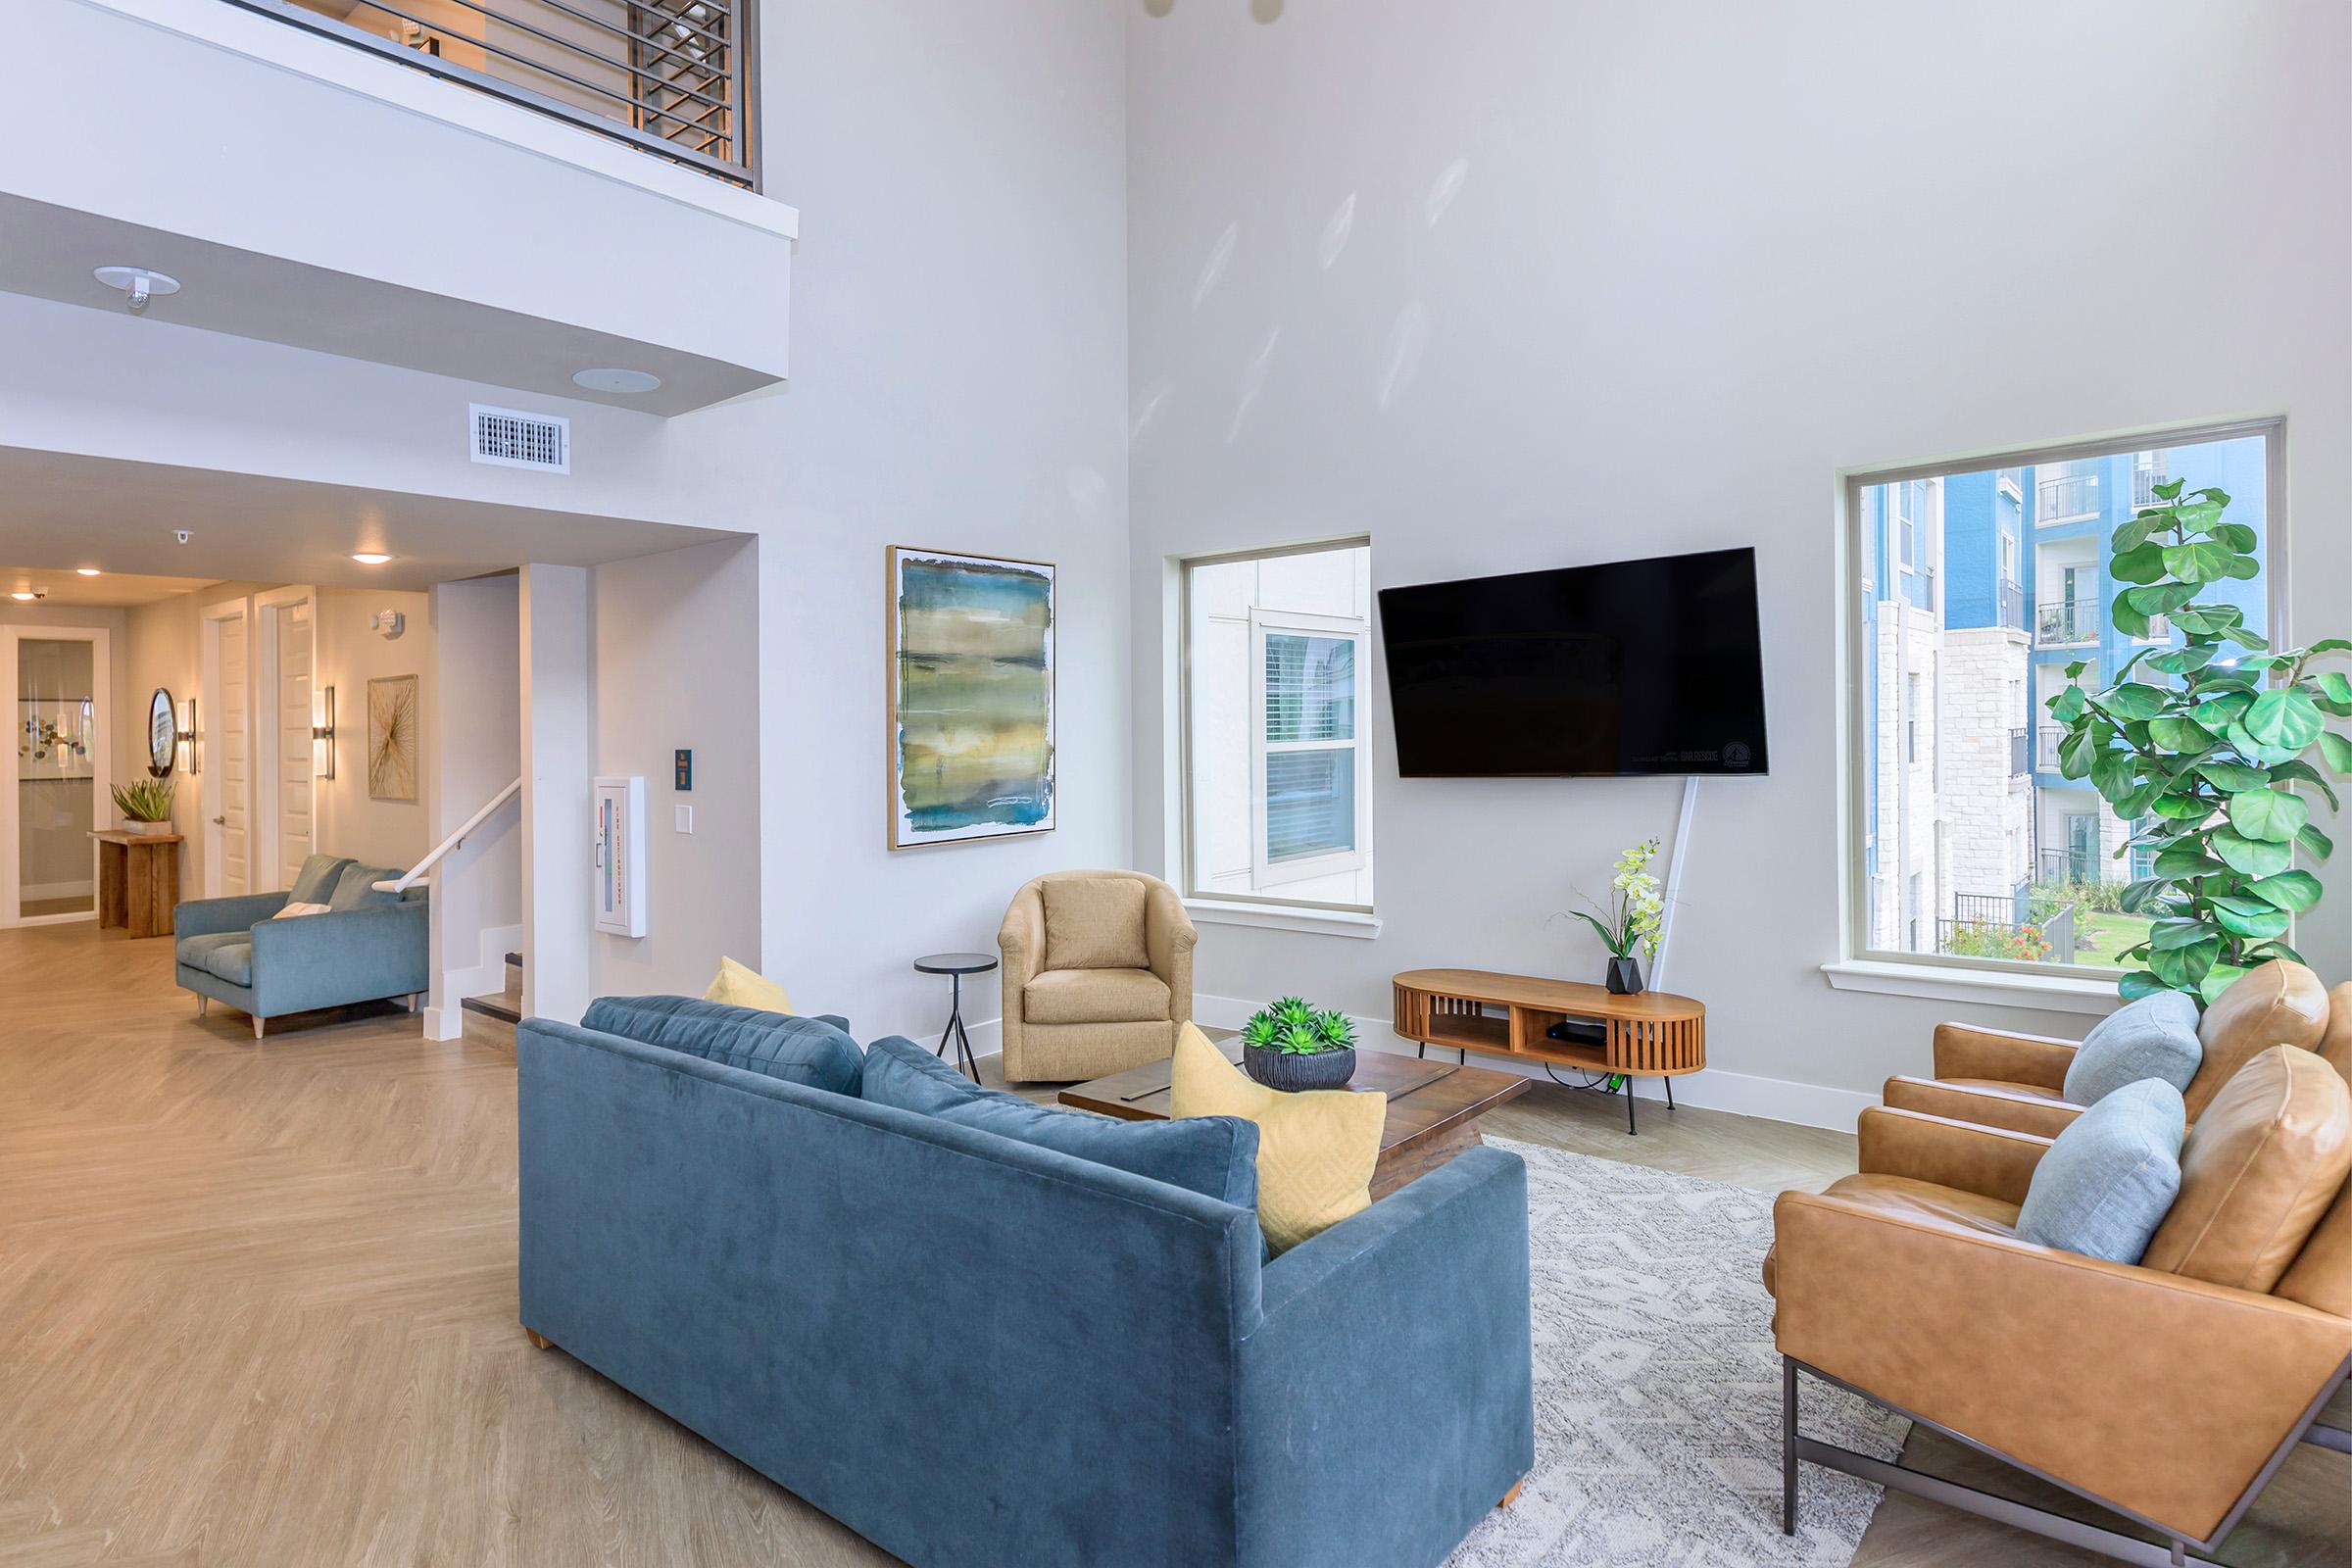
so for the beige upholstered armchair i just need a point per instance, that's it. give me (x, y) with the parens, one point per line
(1098, 974)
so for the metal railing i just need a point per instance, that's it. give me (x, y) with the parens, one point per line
(2010, 603)
(2070, 620)
(2144, 480)
(2046, 748)
(670, 76)
(2021, 752)
(2068, 495)
(2068, 865)
(2046, 941)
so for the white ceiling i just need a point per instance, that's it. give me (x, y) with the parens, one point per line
(59, 511)
(61, 585)
(49, 251)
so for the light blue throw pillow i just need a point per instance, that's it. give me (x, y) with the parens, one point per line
(2109, 1179)
(2155, 1037)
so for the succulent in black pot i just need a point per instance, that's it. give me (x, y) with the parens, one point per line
(1292, 1045)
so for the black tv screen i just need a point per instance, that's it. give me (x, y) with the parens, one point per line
(1635, 667)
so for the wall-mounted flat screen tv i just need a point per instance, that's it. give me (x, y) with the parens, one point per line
(1632, 667)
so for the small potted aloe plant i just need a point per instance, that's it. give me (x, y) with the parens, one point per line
(146, 805)
(1291, 1046)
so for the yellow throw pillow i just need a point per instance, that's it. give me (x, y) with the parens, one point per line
(1315, 1149)
(741, 986)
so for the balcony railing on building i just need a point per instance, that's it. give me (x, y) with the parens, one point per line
(2069, 620)
(671, 76)
(2046, 748)
(2010, 602)
(2064, 496)
(2146, 477)
(2021, 747)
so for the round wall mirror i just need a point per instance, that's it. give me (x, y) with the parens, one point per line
(163, 733)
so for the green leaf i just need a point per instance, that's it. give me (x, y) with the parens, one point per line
(2078, 751)
(2185, 859)
(2315, 844)
(2297, 770)
(2284, 719)
(2245, 638)
(2268, 756)
(2198, 560)
(2182, 808)
(2238, 536)
(2140, 895)
(2180, 661)
(2253, 927)
(2217, 713)
(2219, 978)
(2126, 620)
(2293, 890)
(2161, 599)
(2246, 568)
(2178, 733)
(2068, 705)
(2138, 983)
(2137, 562)
(2279, 950)
(2273, 815)
(2167, 491)
(2336, 751)
(2183, 967)
(2130, 537)
(2114, 774)
(2165, 936)
(2333, 684)
(2231, 777)
(2253, 856)
(2132, 699)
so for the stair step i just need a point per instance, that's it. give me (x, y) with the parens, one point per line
(507, 1006)
(514, 958)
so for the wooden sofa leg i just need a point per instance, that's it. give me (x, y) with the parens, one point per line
(539, 1341)
(204, 1005)
(1512, 1495)
(257, 1028)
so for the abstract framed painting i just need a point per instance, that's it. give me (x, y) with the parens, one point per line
(392, 736)
(971, 724)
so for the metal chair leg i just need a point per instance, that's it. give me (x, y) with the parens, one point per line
(1788, 1447)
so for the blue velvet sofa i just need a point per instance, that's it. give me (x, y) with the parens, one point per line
(978, 1352)
(368, 947)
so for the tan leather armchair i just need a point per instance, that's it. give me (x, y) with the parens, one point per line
(1997, 1079)
(1098, 974)
(2167, 1390)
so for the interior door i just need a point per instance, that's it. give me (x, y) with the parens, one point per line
(295, 834)
(225, 755)
(58, 681)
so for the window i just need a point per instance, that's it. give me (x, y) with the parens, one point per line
(1984, 864)
(1276, 748)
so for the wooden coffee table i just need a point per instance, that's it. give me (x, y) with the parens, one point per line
(1434, 1106)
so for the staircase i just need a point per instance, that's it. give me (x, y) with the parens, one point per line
(506, 1004)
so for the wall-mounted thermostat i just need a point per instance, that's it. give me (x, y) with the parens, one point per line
(620, 857)
(685, 768)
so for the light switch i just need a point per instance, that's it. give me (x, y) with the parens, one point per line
(685, 818)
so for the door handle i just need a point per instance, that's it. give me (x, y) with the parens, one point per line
(219, 822)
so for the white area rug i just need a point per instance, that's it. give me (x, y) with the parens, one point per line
(1657, 1387)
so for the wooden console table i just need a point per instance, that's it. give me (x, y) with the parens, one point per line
(138, 880)
(1653, 1034)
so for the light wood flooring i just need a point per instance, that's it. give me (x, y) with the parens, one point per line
(257, 1302)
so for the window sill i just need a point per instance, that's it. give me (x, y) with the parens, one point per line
(1271, 918)
(1998, 987)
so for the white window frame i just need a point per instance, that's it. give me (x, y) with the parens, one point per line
(1265, 870)
(2048, 987)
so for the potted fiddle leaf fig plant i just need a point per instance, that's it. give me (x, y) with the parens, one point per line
(2207, 742)
(1289, 1045)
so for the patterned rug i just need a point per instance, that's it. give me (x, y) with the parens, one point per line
(1657, 1387)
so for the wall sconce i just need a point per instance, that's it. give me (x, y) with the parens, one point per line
(323, 732)
(187, 739)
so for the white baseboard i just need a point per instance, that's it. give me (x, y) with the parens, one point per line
(444, 1023)
(1712, 1089)
(487, 977)
(35, 892)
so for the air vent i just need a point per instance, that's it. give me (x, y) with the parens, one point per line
(514, 439)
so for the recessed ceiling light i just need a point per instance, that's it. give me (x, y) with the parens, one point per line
(616, 381)
(23, 595)
(85, 571)
(141, 284)
(369, 557)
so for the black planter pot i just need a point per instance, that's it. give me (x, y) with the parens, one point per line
(1281, 1070)
(1625, 977)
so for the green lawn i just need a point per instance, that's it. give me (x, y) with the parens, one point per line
(2098, 938)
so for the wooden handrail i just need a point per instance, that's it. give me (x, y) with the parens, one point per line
(419, 871)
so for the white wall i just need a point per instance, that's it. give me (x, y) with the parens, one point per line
(958, 382)
(476, 660)
(676, 649)
(1517, 283)
(349, 653)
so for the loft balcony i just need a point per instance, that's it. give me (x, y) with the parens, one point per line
(2067, 622)
(459, 209)
(2066, 498)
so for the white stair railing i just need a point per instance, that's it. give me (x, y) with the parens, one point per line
(424, 868)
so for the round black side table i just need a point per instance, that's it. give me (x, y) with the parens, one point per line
(957, 966)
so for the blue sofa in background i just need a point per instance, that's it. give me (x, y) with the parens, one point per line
(979, 1351)
(368, 947)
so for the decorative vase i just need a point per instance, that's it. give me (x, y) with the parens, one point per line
(1625, 977)
(1289, 1072)
(147, 829)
